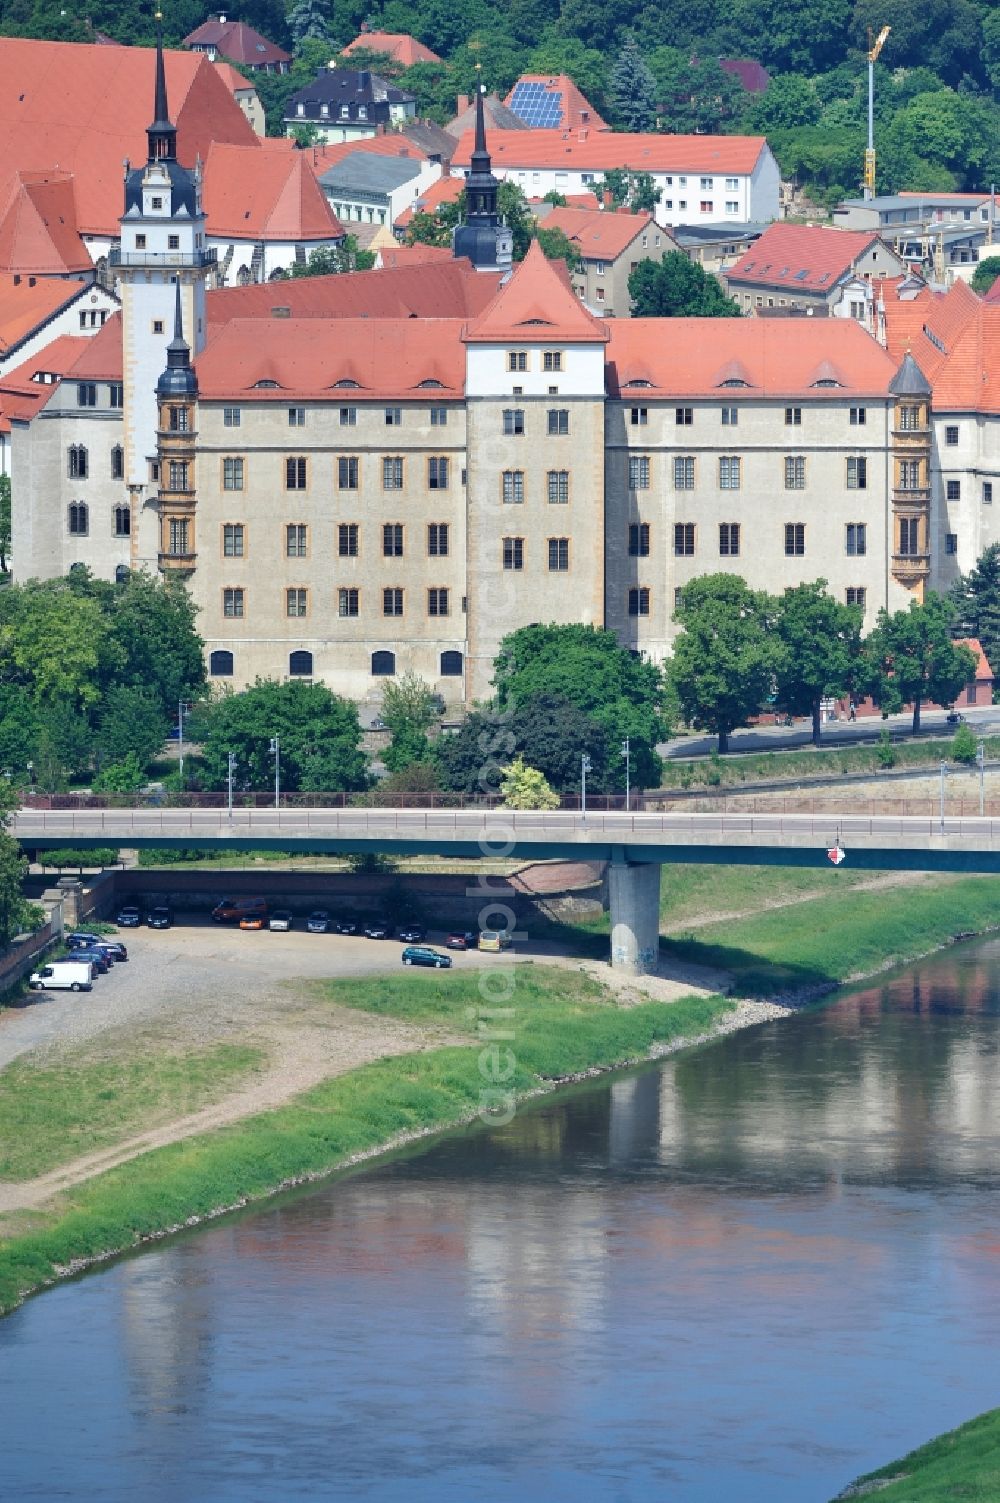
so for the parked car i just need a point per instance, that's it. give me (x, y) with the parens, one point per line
(106, 950)
(377, 930)
(81, 939)
(461, 939)
(115, 948)
(280, 920)
(63, 975)
(129, 917)
(318, 921)
(346, 926)
(253, 921)
(424, 955)
(412, 934)
(232, 910)
(159, 918)
(493, 939)
(100, 961)
(953, 717)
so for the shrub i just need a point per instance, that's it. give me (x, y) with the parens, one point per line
(964, 744)
(67, 856)
(885, 753)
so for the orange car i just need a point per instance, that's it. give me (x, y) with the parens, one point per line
(253, 920)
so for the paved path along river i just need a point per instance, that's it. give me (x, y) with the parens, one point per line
(748, 1273)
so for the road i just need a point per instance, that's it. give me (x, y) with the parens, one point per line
(983, 719)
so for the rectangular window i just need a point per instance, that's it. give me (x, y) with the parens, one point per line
(639, 417)
(513, 553)
(296, 417)
(437, 540)
(859, 416)
(558, 555)
(558, 487)
(439, 417)
(638, 601)
(558, 420)
(232, 603)
(729, 472)
(437, 602)
(173, 242)
(394, 417)
(347, 601)
(296, 540)
(178, 419)
(437, 474)
(684, 472)
(730, 417)
(232, 540)
(513, 421)
(77, 462)
(909, 474)
(517, 360)
(953, 490)
(392, 474)
(513, 487)
(231, 417)
(638, 472)
(909, 536)
(857, 539)
(951, 436)
(347, 539)
(232, 474)
(392, 601)
(857, 473)
(683, 416)
(705, 184)
(795, 472)
(123, 521)
(987, 492)
(552, 360)
(729, 539)
(951, 542)
(295, 474)
(392, 540)
(295, 602)
(795, 539)
(909, 419)
(348, 417)
(86, 394)
(348, 471)
(638, 540)
(793, 417)
(116, 394)
(683, 539)
(178, 475)
(855, 595)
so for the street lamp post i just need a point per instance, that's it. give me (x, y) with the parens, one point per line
(229, 783)
(944, 769)
(183, 705)
(981, 760)
(627, 754)
(275, 750)
(585, 767)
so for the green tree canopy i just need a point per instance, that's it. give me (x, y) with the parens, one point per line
(409, 709)
(726, 655)
(819, 643)
(985, 274)
(677, 288)
(558, 247)
(548, 731)
(633, 89)
(333, 260)
(910, 657)
(976, 599)
(524, 787)
(318, 733)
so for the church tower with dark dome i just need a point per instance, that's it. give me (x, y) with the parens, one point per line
(483, 238)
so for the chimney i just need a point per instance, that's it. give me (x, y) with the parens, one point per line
(222, 18)
(607, 202)
(461, 104)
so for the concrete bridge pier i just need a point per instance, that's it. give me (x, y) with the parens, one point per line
(634, 904)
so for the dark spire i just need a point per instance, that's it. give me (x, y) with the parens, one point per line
(483, 238)
(178, 317)
(179, 379)
(161, 135)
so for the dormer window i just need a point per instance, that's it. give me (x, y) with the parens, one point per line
(344, 111)
(826, 381)
(156, 203)
(346, 382)
(265, 385)
(300, 109)
(737, 381)
(639, 381)
(324, 110)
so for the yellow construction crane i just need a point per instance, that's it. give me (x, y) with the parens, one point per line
(873, 51)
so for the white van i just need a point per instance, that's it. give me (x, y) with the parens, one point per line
(63, 976)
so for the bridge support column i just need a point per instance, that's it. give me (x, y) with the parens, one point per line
(634, 903)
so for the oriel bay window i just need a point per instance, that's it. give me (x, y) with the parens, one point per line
(179, 474)
(178, 536)
(177, 419)
(909, 536)
(909, 474)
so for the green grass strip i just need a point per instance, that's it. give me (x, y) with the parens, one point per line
(962, 1464)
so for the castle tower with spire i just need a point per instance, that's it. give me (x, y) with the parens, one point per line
(483, 238)
(162, 258)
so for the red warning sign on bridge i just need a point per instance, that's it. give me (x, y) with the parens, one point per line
(836, 854)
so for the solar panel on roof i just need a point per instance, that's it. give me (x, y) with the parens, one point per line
(537, 105)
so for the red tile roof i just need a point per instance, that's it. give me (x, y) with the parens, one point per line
(445, 190)
(751, 74)
(233, 80)
(983, 669)
(448, 289)
(955, 339)
(271, 196)
(693, 357)
(599, 235)
(993, 296)
(595, 151)
(21, 396)
(100, 358)
(392, 257)
(28, 302)
(237, 41)
(398, 44)
(801, 257)
(536, 304)
(356, 359)
(38, 225)
(82, 108)
(577, 109)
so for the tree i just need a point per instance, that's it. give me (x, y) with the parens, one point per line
(409, 709)
(318, 733)
(586, 666)
(631, 190)
(132, 722)
(524, 787)
(558, 247)
(790, 100)
(819, 644)
(725, 657)
(126, 776)
(976, 598)
(677, 288)
(4, 522)
(308, 20)
(985, 274)
(911, 657)
(694, 96)
(333, 260)
(547, 731)
(436, 228)
(633, 89)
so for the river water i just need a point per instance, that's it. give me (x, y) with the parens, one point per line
(748, 1273)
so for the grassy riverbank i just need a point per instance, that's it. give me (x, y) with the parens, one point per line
(962, 1464)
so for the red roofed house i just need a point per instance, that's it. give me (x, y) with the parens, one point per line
(814, 269)
(238, 43)
(980, 690)
(398, 45)
(245, 94)
(34, 311)
(701, 178)
(610, 246)
(553, 102)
